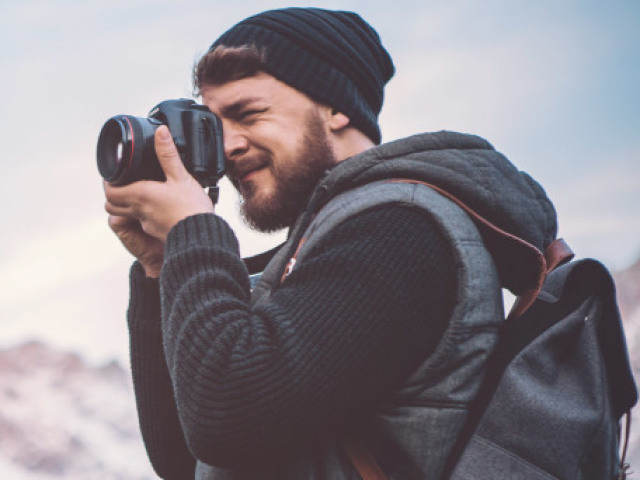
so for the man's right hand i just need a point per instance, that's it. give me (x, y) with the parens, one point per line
(147, 249)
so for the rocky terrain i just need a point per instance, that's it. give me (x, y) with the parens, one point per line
(63, 419)
(628, 292)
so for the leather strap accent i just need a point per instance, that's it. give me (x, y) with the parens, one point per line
(363, 460)
(292, 260)
(624, 466)
(557, 253)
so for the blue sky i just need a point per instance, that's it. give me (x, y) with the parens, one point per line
(553, 85)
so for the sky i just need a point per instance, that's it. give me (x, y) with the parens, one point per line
(551, 84)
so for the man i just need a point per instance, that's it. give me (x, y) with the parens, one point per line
(375, 338)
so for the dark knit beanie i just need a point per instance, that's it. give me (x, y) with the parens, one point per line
(334, 57)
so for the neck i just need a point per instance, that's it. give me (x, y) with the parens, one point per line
(351, 142)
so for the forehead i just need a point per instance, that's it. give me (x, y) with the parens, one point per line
(261, 87)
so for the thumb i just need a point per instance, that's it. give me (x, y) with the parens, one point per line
(168, 156)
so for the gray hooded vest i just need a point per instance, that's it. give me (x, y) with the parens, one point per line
(413, 432)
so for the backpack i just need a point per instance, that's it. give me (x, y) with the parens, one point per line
(556, 389)
(559, 382)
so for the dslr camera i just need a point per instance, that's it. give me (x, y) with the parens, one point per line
(126, 151)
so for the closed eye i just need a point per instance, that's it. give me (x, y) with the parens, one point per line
(250, 113)
(243, 109)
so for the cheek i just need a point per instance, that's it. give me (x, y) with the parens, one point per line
(280, 138)
(286, 154)
(259, 185)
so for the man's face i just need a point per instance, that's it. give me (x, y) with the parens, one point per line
(276, 141)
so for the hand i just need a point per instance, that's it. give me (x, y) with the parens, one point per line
(148, 250)
(158, 206)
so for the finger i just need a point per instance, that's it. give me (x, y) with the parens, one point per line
(128, 195)
(168, 155)
(119, 210)
(122, 195)
(118, 223)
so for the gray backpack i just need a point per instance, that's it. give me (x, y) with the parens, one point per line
(556, 389)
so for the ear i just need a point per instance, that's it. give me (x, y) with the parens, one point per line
(338, 121)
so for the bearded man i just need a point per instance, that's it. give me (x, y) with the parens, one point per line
(378, 333)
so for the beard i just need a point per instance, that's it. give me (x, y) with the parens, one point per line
(294, 183)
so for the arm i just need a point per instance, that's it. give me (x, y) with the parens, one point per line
(157, 414)
(344, 328)
(140, 215)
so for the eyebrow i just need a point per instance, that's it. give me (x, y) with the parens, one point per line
(233, 109)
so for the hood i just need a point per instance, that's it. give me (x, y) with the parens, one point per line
(470, 169)
(467, 167)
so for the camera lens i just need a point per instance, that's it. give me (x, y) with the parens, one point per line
(115, 149)
(125, 150)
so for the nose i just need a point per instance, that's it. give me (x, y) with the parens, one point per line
(235, 143)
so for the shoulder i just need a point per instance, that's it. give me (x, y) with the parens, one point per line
(392, 235)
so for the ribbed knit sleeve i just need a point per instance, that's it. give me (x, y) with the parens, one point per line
(159, 424)
(364, 308)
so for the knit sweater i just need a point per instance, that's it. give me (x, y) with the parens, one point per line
(245, 387)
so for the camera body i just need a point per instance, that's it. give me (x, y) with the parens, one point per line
(126, 151)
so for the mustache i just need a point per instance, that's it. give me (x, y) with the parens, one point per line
(236, 169)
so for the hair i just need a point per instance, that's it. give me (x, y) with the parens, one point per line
(224, 64)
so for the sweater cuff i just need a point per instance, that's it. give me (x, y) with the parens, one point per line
(144, 299)
(206, 229)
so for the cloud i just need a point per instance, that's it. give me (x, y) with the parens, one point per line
(51, 260)
(70, 288)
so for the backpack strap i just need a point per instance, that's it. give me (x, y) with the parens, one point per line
(556, 254)
(624, 466)
(257, 263)
(521, 265)
(540, 264)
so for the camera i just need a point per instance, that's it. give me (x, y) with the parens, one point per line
(126, 151)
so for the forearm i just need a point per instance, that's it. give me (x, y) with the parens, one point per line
(159, 423)
(338, 333)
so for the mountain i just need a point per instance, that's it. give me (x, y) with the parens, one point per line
(628, 293)
(63, 419)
